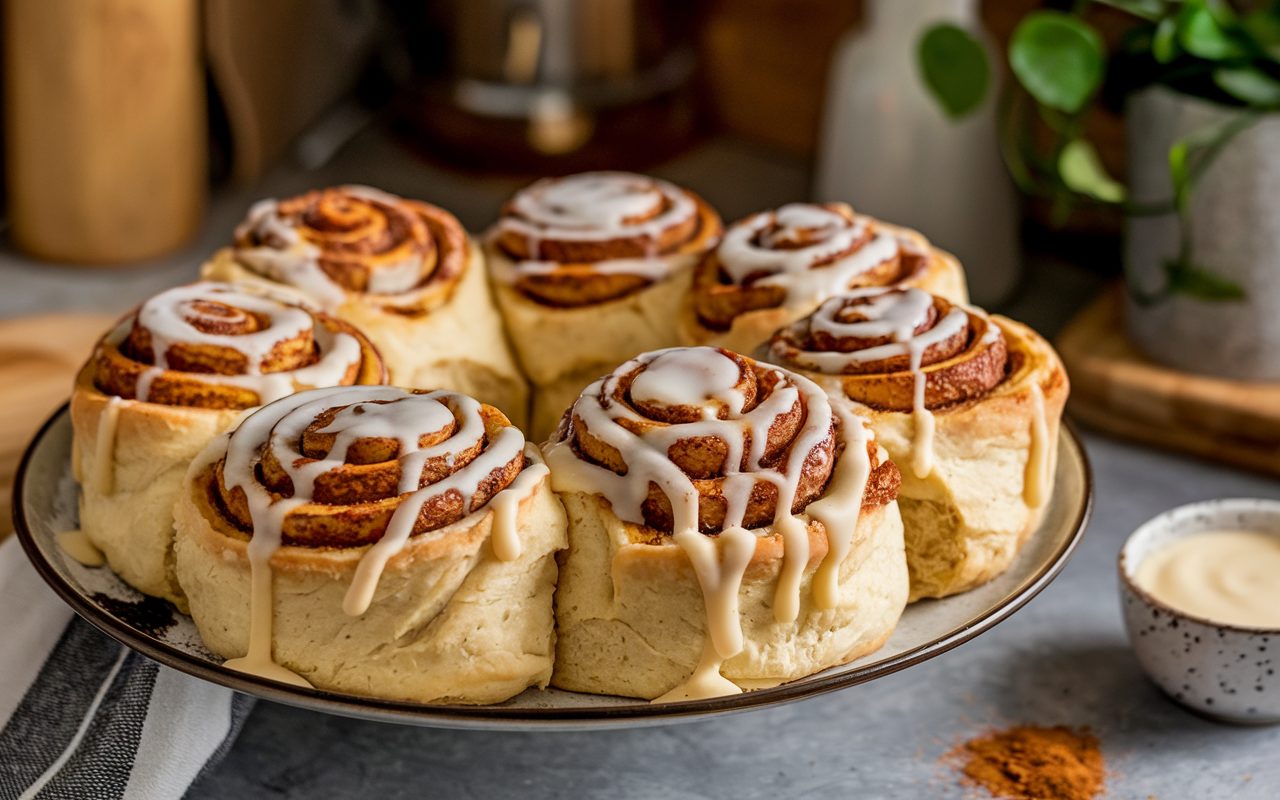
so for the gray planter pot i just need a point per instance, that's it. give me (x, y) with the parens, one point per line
(1235, 226)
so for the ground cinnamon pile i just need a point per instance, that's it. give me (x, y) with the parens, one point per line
(1031, 763)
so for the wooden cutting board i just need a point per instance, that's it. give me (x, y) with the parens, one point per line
(39, 357)
(1118, 391)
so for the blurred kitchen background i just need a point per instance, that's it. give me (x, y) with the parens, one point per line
(137, 133)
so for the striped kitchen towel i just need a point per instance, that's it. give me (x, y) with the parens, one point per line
(82, 716)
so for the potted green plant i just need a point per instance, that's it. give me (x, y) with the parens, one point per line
(1200, 84)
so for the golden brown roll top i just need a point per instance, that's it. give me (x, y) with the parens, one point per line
(597, 236)
(379, 534)
(705, 439)
(346, 462)
(745, 472)
(216, 346)
(797, 255)
(885, 345)
(404, 255)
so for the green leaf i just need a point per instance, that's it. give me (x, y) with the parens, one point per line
(1082, 171)
(955, 68)
(1058, 58)
(1164, 45)
(1249, 84)
(1194, 281)
(1202, 34)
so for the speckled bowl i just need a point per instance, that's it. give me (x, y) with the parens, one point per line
(1229, 673)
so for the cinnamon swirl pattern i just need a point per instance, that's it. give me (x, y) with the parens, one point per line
(970, 401)
(168, 378)
(354, 239)
(730, 527)
(586, 269)
(776, 266)
(403, 271)
(404, 530)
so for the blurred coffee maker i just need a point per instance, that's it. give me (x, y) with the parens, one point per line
(548, 84)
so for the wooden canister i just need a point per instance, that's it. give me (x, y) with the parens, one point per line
(105, 129)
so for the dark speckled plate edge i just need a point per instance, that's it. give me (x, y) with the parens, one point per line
(497, 717)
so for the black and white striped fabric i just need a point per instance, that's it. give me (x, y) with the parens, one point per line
(82, 716)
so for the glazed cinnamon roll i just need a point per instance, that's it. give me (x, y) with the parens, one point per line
(586, 271)
(730, 527)
(379, 541)
(403, 271)
(966, 403)
(776, 266)
(168, 378)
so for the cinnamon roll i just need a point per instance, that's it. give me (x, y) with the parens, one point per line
(379, 541)
(966, 403)
(730, 527)
(402, 271)
(586, 271)
(168, 378)
(774, 267)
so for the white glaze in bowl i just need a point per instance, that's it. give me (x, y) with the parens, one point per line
(1227, 672)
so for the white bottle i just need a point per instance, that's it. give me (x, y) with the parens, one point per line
(889, 149)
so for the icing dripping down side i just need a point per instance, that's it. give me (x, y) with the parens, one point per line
(839, 510)
(505, 538)
(719, 563)
(77, 546)
(104, 450)
(922, 417)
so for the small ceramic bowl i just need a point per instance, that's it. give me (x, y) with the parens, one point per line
(1229, 673)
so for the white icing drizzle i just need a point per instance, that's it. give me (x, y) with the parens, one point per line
(654, 269)
(167, 317)
(747, 250)
(104, 448)
(921, 416)
(285, 256)
(894, 313)
(719, 564)
(706, 377)
(1035, 485)
(142, 389)
(596, 207)
(370, 412)
(76, 544)
(688, 378)
(839, 509)
(505, 539)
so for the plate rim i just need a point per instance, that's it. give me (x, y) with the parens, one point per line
(513, 718)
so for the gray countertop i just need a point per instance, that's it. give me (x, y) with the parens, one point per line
(1063, 659)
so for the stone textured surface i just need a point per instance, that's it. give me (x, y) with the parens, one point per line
(1062, 659)
(1236, 235)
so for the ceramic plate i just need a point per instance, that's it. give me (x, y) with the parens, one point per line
(45, 496)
